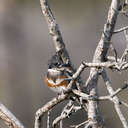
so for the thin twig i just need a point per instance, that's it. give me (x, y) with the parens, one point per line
(126, 36)
(90, 124)
(83, 95)
(76, 76)
(109, 97)
(120, 30)
(117, 65)
(67, 111)
(48, 119)
(61, 117)
(10, 120)
(79, 125)
(115, 99)
(123, 58)
(112, 58)
(112, 65)
(114, 93)
(125, 104)
(119, 90)
(40, 113)
(115, 52)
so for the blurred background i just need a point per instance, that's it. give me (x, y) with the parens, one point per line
(26, 47)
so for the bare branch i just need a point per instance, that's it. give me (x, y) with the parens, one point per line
(75, 76)
(112, 65)
(109, 97)
(10, 120)
(100, 64)
(121, 65)
(119, 90)
(83, 95)
(61, 124)
(125, 104)
(115, 52)
(40, 113)
(112, 58)
(115, 99)
(114, 93)
(126, 36)
(55, 31)
(90, 124)
(120, 30)
(99, 56)
(121, 116)
(79, 125)
(124, 55)
(99, 60)
(67, 111)
(48, 119)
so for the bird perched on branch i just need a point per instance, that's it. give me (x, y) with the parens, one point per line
(58, 74)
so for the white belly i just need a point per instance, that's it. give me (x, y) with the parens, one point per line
(58, 89)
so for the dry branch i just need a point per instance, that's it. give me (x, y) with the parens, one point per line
(54, 31)
(100, 98)
(10, 120)
(79, 125)
(114, 99)
(94, 118)
(40, 113)
(68, 109)
(120, 30)
(100, 56)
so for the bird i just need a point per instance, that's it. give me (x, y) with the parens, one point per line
(58, 74)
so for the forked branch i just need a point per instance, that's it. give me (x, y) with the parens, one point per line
(99, 61)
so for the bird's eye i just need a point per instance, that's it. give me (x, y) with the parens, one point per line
(56, 64)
